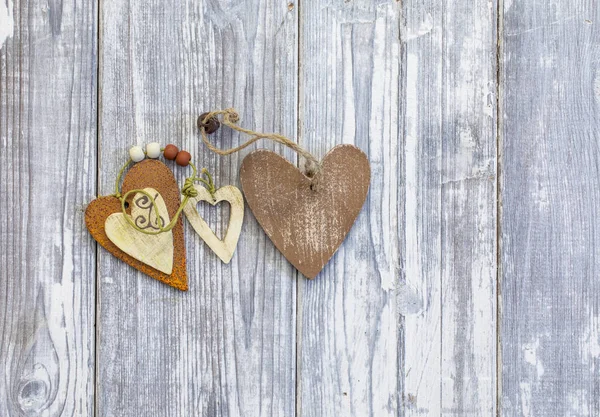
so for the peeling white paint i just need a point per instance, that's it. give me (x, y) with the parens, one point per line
(488, 101)
(424, 28)
(525, 394)
(349, 120)
(388, 282)
(423, 353)
(384, 154)
(60, 319)
(579, 403)
(6, 21)
(590, 342)
(413, 264)
(530, 355)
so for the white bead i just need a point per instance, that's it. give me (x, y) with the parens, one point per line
(153, 150)
(136, 153)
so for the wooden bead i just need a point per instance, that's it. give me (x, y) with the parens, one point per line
(170, 152)
(211, 126)
(136, 153)
(183, 158)
(153, 150)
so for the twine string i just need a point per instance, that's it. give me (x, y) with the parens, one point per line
(230, 118)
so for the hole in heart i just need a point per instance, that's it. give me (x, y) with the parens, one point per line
(126, 205)
(217, 216)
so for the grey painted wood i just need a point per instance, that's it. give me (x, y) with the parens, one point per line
(47, 176)
(402, 322)
(468, 280)
(449, 196)
(550, 201)
(419, 291)
(227, 347)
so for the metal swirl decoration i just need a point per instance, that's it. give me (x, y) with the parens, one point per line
(145, 221)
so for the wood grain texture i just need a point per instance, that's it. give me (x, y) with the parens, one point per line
(449, 251)
(421, 238)
(226, 347)
(468, 209)
(550, 201)
(47, 175)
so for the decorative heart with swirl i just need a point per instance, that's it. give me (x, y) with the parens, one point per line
(155, 250)
(160, 256)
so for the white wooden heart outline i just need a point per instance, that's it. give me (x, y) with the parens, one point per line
(225, 248)
(153, 250)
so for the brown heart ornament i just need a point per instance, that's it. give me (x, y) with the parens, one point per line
(154, 176)
(307, 224)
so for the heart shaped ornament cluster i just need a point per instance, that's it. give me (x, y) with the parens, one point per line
(306, 218)
(161, 256)
(306, 225)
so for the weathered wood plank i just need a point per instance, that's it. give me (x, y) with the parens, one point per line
(350, 63)
(468, 209)
(449, 252)
(550, 201)
(421, 202)
(47, 174)
(226, 347)
(450, 200)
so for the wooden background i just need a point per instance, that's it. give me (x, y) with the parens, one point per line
(469, 285)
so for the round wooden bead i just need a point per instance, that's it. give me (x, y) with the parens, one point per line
(136, 153)
(153, 150)
(170, 152)
(183, 158)
(211, 126)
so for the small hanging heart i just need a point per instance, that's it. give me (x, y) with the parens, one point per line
(226, 247)
(305, 224)
(154, 175)
(155, 250)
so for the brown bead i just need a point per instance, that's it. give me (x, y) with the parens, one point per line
(183, 158)
(211, 126)
(170, 152)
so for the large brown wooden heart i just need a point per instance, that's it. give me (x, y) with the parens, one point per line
(306, 225)
(146, 174)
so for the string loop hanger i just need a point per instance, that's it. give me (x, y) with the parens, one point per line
(209, 123)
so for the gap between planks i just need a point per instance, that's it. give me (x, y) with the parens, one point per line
(499, 141)
(299, 278)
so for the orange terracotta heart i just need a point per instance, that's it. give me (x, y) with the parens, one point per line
(154, 175)
(306, 225)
